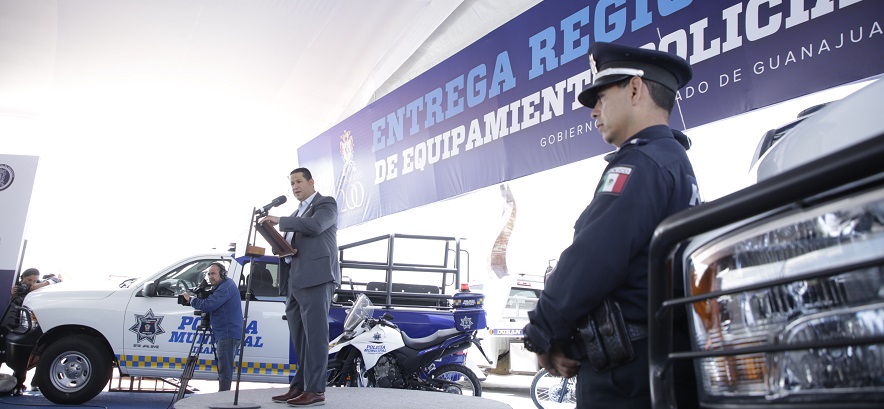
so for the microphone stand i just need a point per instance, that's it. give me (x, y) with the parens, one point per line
(252, 251)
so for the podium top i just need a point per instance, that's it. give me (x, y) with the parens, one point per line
(280, 246)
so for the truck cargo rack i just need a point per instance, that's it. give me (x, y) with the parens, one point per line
(430, 285)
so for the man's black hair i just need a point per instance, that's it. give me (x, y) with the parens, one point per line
(304, 171)
(662, 96)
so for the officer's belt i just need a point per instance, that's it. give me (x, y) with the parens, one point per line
(607, 337)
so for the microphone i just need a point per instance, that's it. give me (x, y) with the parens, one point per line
(276, 202)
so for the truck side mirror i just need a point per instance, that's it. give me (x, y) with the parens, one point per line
(149, 290)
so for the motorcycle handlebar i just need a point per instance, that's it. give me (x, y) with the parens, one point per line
(370, 322)
(388, 324)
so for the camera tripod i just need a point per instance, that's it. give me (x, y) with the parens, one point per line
(202, 332)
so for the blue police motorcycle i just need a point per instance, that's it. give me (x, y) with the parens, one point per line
(375, 352)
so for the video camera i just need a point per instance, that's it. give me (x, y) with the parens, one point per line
(204, 290)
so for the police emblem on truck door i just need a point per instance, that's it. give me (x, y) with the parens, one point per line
(147, 326)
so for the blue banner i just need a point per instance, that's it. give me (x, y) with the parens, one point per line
(506, 106)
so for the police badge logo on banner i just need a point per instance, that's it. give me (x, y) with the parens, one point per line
(7, 175)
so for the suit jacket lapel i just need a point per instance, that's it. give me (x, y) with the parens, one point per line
(290, 235)
(309, 208)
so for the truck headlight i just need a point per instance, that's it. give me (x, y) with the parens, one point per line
(849, 369)
(808, 275)
(27, 320)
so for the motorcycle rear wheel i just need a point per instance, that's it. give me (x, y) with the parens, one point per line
(457, 379)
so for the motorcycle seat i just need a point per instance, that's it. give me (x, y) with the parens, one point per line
(429, 340)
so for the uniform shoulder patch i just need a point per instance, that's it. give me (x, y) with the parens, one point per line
(615, 180)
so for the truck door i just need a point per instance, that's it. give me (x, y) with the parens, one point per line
(268, 355)
(159, 332)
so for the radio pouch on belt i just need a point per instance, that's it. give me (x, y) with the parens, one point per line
(605, 337)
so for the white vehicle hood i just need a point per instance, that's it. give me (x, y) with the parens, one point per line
(70, 291)
(839, 125)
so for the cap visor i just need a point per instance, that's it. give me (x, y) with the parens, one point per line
(589, 96)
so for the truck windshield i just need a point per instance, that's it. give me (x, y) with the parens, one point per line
(520, 301)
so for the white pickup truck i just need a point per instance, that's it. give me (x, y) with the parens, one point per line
(507, 302)
(75, 336)
(778, 289)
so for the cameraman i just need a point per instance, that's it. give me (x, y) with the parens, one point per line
(225, 315)
(28, 283)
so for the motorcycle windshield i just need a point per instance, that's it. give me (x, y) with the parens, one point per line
(361, 311)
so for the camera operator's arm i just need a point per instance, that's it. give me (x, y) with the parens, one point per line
(224, 292)
(24, 288)
(39, 285)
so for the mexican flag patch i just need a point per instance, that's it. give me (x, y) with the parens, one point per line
(615, 180)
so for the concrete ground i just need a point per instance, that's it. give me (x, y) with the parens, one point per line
(341, 398)
(498, 391)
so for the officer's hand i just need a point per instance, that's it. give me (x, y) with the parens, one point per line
(271, 220)
(186, 297)
(557, 363)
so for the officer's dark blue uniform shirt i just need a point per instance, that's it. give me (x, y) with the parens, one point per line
(648, 179)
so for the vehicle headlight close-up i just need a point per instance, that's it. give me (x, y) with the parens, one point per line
(804, 276)
(27, 321)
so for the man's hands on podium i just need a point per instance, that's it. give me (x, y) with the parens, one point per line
(271, 220)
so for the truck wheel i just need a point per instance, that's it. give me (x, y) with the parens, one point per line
(73, 371)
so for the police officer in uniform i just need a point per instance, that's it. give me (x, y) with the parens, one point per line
(648, 178)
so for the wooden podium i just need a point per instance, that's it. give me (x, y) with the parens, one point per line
(280, 246)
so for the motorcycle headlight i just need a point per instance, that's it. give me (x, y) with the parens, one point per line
(811, 275)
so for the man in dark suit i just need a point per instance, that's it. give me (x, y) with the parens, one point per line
(308, 280)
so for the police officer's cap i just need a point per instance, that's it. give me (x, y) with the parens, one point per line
(611, 63)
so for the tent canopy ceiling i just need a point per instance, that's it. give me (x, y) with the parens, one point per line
(297, 67)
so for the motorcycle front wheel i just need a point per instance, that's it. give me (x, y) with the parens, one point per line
(457, 379)
(549, 391)
(347, 371)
